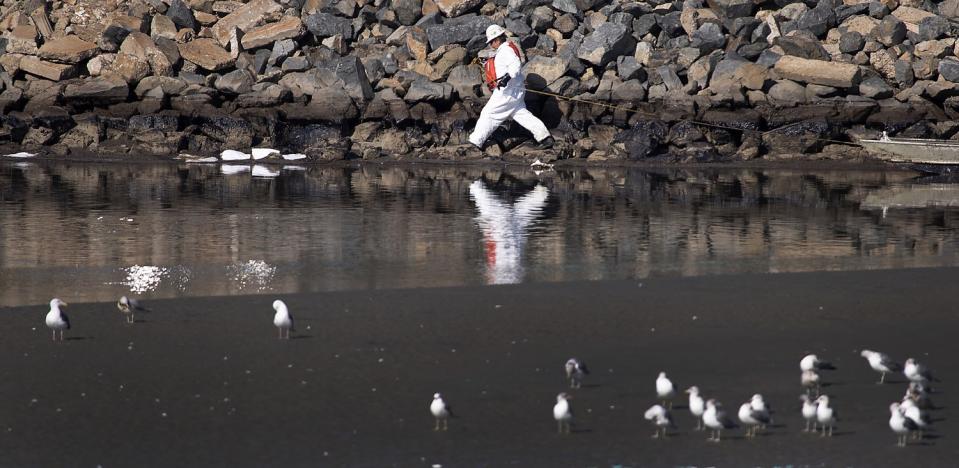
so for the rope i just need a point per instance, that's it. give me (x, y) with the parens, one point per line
(694, 122)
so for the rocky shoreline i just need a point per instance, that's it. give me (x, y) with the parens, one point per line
(681, 81)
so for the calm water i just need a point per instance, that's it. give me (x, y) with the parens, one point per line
(89, 232)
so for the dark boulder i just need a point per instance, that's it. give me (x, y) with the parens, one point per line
(644, 139)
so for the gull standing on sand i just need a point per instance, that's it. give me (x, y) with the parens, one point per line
(716, 420)
(900, 424)
(56, 319)
(751, 418)
(283, 319)
(917, 392)
(809, 407)
(129, 306)
(916, 372)
(563, 413)
(763, 410)
(825, 414)
(441, 412)
(665, 389)
(911, 411)
(880, 363)
(811, 362)
(575, 372)
(661, 419)
(810, 381)
(696, 406)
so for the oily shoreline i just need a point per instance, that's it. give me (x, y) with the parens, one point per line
(205, 382)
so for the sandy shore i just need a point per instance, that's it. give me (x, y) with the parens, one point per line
(205, 382)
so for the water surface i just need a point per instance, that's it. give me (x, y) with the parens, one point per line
(90, 232)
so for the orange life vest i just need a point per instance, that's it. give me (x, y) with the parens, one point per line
(490, 67)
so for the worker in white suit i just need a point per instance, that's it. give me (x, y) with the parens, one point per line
(504, 76)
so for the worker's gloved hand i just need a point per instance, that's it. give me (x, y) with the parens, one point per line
(501, 83)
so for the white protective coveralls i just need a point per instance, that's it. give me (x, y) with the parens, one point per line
(507, 102)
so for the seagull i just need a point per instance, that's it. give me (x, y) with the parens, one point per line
(56, 319)
(765, 412)
(575, 371)
(811, 362)
(916, 372)
(664, 389)
(900, 424)
(879, 363)
(129, 307)
(441, 412)
(810, 381)
(283, 319)
(825, 414)
(661, 419)
(696, 406)
(809, 407)
(751, 418)
(562, 412)
(716, 420)
(911, 411)
(918, 393)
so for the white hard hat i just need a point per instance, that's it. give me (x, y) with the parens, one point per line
(493, 32)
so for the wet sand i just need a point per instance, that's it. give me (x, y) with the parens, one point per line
(205, 382)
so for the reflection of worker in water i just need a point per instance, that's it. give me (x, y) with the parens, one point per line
(504, 230)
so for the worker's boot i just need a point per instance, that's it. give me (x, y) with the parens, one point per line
(546, 143)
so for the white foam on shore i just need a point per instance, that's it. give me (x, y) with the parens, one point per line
(22, 154)
(294, 156)
(233, 155)
(261, 153)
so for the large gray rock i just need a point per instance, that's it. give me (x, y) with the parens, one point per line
(466, 80)
(817, 20)
(457, 30)
(787, 93)
(541, 70)
(181, 15)
(351, 72)
(949, 69)
(875, 88)
(422, 90)
(733, 8)
(605, 43)
(235, 82)
(851, 42)
(891, 31)
(407, 11)
(326, 25)
(97, 90)
(802, 47)
(708, 38)
(934, 27)
(566, 6)
(643, 139)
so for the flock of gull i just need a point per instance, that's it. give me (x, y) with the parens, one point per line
(907, 417)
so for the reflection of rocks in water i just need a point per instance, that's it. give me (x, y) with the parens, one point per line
(372, 226)
(504, 217)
